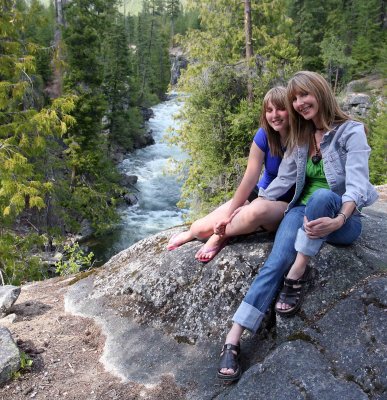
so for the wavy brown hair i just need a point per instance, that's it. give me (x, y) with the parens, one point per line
(328, 108)
(277, 97)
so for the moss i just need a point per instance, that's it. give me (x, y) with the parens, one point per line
(81, 275)
(300, 336)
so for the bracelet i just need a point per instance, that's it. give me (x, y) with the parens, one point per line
(343, 215)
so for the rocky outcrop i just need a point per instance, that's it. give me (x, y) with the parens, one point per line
(361, 95)
(8, 296)
(178, 62)
(9, 356)
(166, 313)
(144, 140)
(357, 104)
(342, 355)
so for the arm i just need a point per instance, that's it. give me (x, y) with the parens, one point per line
(356, 165)
(356, 181)
(287, 174)
(250, 179)
(321, 227)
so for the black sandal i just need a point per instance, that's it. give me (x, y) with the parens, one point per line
(231, 361)
(293, 293)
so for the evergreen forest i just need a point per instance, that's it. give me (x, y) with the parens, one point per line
(77, 75)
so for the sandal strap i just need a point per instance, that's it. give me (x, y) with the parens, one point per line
(291, 282)
(305, 278)
(228, 359)
(290, 295)
(232, 347)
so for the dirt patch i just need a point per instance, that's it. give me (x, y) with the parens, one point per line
(65, 351)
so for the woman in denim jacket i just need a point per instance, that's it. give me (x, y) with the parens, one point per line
(327, 159)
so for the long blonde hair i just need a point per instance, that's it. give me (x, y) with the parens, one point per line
(328, 108)
(277, 97)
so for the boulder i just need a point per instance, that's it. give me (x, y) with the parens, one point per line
(147, 113)
(165, 312)
(144, 140)
(8, 296)
(130, 199)
(296, 370)
(9, 356)
(357, 104)
(128, 180)
(354, 99)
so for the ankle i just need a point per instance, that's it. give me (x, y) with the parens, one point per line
(234, 336)
(296, 272)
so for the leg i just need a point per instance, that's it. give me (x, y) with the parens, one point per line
(323, 203)
(252, 216)
(200, 229)
(264, 287)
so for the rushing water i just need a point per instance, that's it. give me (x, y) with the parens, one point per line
(158, 191)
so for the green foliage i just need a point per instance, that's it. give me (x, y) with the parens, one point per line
(74, 260)
(17, 262)
(378, 143)
(152, 41)
(218, 120)
(120, 88)
(355, 26)
(26, 363)
(334, 58)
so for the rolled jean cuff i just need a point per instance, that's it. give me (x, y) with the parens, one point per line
(304, 245)
(248, 316)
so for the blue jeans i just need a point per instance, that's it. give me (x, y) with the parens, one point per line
(290, 239)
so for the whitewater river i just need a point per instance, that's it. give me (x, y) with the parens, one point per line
(158, 191)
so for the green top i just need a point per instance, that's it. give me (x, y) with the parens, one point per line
(315, 179)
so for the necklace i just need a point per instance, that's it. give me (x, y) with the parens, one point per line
(317, 156)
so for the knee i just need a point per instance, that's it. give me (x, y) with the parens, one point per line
(323, 202)
(321, 196)
(255, 212)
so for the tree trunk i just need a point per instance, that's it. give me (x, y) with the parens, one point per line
(249, 48)
(249, 45)
(55, 90)
(336, 79)
(144, 75)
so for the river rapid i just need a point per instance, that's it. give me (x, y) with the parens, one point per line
(158, 190)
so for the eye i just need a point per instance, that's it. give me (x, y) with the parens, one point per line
(303, 94)
(269, 110)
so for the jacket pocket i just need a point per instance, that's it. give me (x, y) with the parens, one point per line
(337, 162)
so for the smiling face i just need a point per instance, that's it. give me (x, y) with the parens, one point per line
(277, 118)
(307, 106)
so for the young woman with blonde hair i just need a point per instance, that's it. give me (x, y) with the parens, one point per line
(245, 213)
(328, 162)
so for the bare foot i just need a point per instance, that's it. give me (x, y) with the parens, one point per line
(178, 239)
(212, 247)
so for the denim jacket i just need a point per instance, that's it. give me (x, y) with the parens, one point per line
(345, 154)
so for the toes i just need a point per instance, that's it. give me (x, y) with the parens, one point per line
(226, 371)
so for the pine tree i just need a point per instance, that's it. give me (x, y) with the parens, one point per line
(119, 86)
(173, 11)
(92, 173)
(26, 133)
(218, 120)
(153, 42)
(378, 143)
